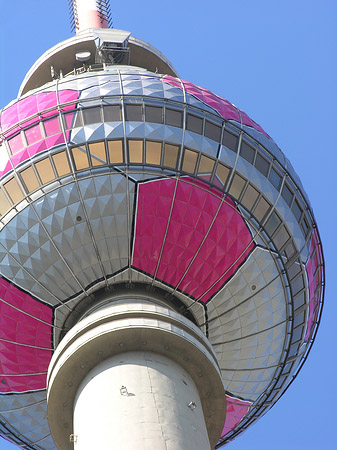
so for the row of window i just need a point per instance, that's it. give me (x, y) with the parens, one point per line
(206, 126)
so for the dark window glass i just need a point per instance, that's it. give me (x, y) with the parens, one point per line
(287, 194)
(297, 284)
(247, 152)
(293, 270)
(297, 210)
(194, 124)
(273, 222)
(262, 165)
(305, 226)
(154, 114)
(133, 113)
(297, 334)
(293, 350)
(275, 179)
(299, 301)
(91, 115)
(174, 117)
(230, 141)
(299, 319)
(112, 113)
(212, 131)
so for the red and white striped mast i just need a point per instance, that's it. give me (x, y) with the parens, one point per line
(90, 14)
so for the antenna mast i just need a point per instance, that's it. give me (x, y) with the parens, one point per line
(87, 14)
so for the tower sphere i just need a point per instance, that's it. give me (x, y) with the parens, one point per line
(121, 180)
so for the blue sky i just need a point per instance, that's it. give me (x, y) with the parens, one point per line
(277, 62)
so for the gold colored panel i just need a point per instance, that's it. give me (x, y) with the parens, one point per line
(261, 208)
(97, 152)
(61, 163)
(45, 170)
(30, 179)
(116, 152)
(153, 152)
(80, 158)
(250, 197)
(190, 160)
(222, 173)
(4, 203)
(170, 155)
(135, 151)
(237, 186)
(14, 191)
(206, 165)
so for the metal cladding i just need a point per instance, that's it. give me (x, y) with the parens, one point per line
(125, 177)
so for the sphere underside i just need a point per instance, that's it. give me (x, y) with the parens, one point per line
(123, 178)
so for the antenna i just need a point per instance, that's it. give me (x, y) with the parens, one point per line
(87, 14)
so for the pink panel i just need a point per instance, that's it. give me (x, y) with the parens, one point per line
(20, 333)
(190, 260)
(16, 144)
(6, 168)
(33, 134)
(37, 148)
(52, 126)
(222, 106)
(315, 278)
(236, 410)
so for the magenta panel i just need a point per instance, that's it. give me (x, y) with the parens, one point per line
(25, 342)
(314, 268)
(26, 108)
(222, 106)
(197, 256)
(236, 410)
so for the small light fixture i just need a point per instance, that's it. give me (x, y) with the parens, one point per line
(192, 406)
(83, 56)
(123, 390)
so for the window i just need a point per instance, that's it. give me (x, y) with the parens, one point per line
(115, 149)
(30, 179)
(170, 155)
(212, 131)
(153, 152)
(190, 160)
(230, 141)
(275, 179)
(45, 170)
(222, 173)
(173, 117)
(33, 134)
(194, 124)
(249, 197)
(61, 163)
(13, 190)
(112, 113)
(153, 114)
(287, 194)
(80, 157)
(92, 115)
(133, 113)
(97, 152)
(135, 151)
(52, 126)
(262, 165)
(261, 208)
(247, 152)
(237, 186)
(206, 165)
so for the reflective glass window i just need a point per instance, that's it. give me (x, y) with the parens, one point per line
(230, 141)
(190, 160)
(45, 170)
(237, 186)
(72, 119)
(153, 152)
(30, 179)
(261, 208)
(171, 155)
(112, 113)
(247, 152)
(299, 319)
(173, 117)
(133, 113)
(297, 284)
(281, 237)
(13, 190)
(262, 165)
(194, 123)
(206, 165)
(97, 152)
(275, 179)
(297, 210)
(154, 114)
(116, 154)
(80, 157)
(272, 223)
(92, 115)
(222, 173)
(4, 203)
(61, 163)
(135, 151)
(212, 131)
(287, 194)
(249, 198)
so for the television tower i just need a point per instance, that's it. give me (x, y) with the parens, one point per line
(161, 271)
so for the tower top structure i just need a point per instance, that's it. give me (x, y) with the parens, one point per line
(144, 218)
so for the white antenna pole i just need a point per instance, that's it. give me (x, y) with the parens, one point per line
(90, 14)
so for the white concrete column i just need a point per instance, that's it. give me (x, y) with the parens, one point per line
(135, 376)
(139, 401)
